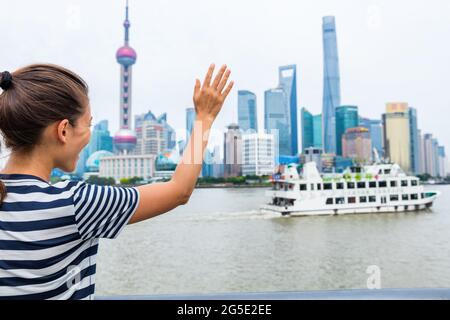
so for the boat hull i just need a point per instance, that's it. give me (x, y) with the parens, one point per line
(422, 204)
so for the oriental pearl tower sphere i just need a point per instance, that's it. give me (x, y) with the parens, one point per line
(125, 138)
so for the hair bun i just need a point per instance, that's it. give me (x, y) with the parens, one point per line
(6, 80)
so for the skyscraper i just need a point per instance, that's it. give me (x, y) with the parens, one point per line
(376, 133)
(414, 139)
(125, 138)
(288, 81)
(356, 144)
(190, 118)
(208, 164)
(154, 135)
(100, 138)
(346, 117)
(258, 154)
(331, 84)
(429, 154)
(317, 129)
(247, 111)
(307, 126)
(169, 132)
(435, 151)
(233, 151)
(218, 167)
(442, 162)
(280, 110)
(396, 134)
(422, 152)
(431, 151)
(276, 119)
(311, 130)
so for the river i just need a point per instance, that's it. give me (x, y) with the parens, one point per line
(219, 242)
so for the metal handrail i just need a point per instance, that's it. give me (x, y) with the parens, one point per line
(357, 294)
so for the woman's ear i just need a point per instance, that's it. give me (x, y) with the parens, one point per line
(62, 128)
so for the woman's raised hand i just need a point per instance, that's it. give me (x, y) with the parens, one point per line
(209, 97)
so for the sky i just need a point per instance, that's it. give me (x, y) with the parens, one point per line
(390, 51)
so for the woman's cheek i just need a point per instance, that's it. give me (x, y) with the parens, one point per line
(88, 138)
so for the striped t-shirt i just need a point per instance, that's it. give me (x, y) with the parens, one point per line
(49, 235)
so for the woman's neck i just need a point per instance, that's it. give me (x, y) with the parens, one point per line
(30, 164)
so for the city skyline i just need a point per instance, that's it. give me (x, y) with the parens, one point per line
(384, 74)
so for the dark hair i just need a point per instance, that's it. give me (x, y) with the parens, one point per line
(34, 97)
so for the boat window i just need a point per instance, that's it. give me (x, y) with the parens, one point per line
(339, 185)
(312, 186)
(330, 201)
(372, 198)
(414, 196)
(372, 184)
(340, 200)
(387, 171)
(319, 186)
(422, 195)
(350, 185)
(303, 187)
(361, 185)
(382, 184)
(414, 183)
(405, 197)
(363, 199)
(393, 197)
(351, 199)
(327, 186)
(285, 187)
(393, 183)
(404, 183)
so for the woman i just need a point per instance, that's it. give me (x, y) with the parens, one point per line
(49, 233)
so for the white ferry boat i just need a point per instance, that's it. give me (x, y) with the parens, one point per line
(374, 188)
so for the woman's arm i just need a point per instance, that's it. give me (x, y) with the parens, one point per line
(159, 198)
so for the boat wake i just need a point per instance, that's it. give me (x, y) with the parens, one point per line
(223, 216)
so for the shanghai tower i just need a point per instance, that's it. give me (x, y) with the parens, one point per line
(331, 84)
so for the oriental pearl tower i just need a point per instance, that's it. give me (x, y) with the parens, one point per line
(125, 138)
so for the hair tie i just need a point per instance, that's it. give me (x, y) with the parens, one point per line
(6, 80)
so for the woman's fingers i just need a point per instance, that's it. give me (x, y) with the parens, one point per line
(196, 87)
(227, 90)
(207, 81)
(219, 83)
(219, 76)
(223, 82)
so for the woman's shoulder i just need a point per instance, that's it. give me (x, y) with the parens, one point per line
(68, 185)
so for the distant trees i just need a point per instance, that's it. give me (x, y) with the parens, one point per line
(101, 181)
(248, 179)
(241, 180)
(131, 181)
